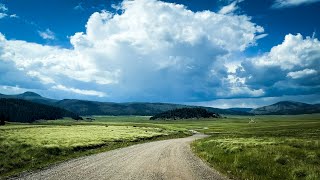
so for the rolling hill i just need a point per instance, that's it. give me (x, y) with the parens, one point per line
(85, 108)
(138, 108)
(286, 108)
(241, 109)
(31, 96)
(18, 110)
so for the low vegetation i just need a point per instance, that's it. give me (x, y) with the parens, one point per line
(241, 147)
(271, 147)
(29, 146)
(185, 113)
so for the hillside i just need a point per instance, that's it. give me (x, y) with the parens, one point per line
(137, 108)
(247, 110)
(185, 113)
(287, 107)
(83, 107)
(18, 110)
(31, 96)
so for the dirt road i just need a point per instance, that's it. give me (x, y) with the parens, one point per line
(168, 159)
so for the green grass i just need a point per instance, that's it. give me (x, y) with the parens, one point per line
(276, 147)
(31, 146)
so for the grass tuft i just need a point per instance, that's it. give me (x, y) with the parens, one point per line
(299, 173)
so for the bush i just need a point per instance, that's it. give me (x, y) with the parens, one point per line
(185, 113)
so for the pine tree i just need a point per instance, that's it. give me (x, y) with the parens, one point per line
(2, 120)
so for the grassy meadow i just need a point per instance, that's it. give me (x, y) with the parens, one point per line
(31, 146)
(273, 147)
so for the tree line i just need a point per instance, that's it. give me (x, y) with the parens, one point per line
(18, 110)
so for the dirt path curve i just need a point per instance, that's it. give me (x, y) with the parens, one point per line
(168, 159)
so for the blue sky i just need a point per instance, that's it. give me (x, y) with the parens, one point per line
(217, 53)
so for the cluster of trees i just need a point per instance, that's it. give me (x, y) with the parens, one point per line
(18, 110)
(185, 113)
(3, 119)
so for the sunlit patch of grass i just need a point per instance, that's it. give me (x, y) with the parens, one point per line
(72, 136)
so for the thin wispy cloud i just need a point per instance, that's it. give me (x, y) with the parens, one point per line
(4, 12)
(79, 7)
(14, 16)
(47, 34)
(3, 7)
(292, 3)
(232, 7)
(2, 15)
(79, 91)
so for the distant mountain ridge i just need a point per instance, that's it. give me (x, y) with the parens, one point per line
(85, 108)
(31, 96)
(287, 108)
(241, 109)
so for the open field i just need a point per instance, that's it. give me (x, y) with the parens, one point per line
(274, 147)
(29, 146)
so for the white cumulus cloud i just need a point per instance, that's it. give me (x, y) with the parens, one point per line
(292, 67)
(152, 50)
(295, 51)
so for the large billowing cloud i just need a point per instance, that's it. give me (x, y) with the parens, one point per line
(151, 51)
(291, 68)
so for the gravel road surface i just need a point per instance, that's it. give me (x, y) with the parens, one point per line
(167, 159)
